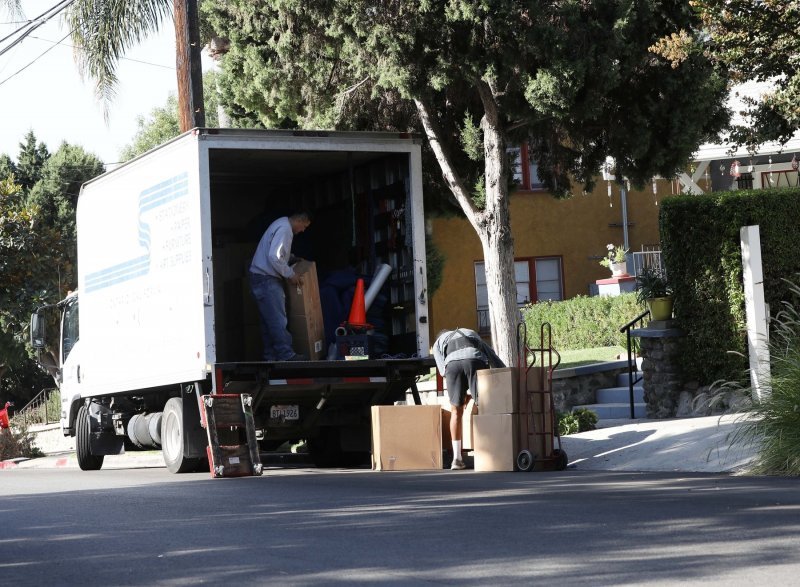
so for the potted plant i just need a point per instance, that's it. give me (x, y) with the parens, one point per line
(615, 259)
(653, 290)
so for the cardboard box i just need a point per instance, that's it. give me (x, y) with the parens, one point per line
(406, 438)
(498, 391)
(496, 442)
(304, 311)
(470, 411)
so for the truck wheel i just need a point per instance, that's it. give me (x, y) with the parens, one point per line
(83, 447)
(172, 438)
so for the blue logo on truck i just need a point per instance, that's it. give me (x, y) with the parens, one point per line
(149, 199)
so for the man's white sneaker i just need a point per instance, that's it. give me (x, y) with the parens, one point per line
(458, 464)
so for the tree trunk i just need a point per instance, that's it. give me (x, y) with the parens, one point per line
(498, 242)
(187, 61)
(493, 224)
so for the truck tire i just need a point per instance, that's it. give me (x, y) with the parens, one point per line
(172, 438)
(83, 447)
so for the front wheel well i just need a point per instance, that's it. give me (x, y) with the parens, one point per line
(72, 416)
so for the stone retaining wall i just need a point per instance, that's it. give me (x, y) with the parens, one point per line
(571, 387)
(578, 386)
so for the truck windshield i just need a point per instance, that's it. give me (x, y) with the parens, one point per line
(70, 330)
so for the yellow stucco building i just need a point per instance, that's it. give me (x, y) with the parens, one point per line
(557, 248)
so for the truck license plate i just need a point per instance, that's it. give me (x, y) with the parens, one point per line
(289, 412)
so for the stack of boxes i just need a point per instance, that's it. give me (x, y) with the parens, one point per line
(513, 416)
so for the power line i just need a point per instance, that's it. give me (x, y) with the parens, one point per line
(42, 54)
(61, 42)
(34, 24)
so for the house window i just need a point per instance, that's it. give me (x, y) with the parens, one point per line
(538, 279)
(525, 176)
(548, 279)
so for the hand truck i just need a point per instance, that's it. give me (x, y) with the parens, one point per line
(541, 440)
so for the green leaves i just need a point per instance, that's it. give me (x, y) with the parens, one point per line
(759, 41)
(37, 250)
(702, 253)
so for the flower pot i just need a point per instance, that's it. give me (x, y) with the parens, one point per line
(660, 308)
(619, 269)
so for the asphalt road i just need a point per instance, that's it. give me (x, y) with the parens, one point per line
(302, 526)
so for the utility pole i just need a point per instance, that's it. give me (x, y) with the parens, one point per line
(191, 111)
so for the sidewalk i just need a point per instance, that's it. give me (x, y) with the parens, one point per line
(689, 444)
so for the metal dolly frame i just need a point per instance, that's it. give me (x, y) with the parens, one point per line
(540, 402)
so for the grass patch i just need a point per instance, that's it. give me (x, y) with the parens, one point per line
(575, 358)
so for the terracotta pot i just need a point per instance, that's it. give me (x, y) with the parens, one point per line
(660, 308)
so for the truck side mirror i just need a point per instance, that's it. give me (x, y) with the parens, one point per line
(37, 330)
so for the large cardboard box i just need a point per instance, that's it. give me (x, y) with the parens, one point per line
(470, 411)
(498, 391)
(406, 438)
(496, 442)
(305, 313)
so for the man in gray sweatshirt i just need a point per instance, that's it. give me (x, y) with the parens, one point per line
(459, 355)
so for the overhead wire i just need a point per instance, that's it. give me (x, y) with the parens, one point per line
(42, 54)
(32, 25)
(61, 42)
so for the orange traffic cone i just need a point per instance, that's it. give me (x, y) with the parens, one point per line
(358, 314)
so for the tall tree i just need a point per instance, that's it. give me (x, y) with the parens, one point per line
(55, 197)
(7, 167)
(32, 156)
(37, 254)
(163, 124)
(757, 40)
(574, 79)
(104, 29)
(25, 250)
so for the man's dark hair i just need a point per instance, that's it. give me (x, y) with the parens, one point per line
(302, 216)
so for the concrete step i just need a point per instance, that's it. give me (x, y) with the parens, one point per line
(622, 378)
(612, 395)
(616, 410)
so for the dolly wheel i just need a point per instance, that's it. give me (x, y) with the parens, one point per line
(561, 459)
(525, 460)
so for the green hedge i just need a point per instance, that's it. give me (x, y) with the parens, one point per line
(582, 322)
(702, 255)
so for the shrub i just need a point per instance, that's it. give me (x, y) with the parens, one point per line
(582, 322)
(567, 424)
(702, 255)
(580, 420)
(16, 442)
(587, 419)
(773, 422)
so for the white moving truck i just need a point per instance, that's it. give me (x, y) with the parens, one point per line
(163, 312)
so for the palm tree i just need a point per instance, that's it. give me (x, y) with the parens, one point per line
(103, 30)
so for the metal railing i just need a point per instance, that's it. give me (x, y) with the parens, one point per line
(40, 409)
(646, 259)
(633, 348)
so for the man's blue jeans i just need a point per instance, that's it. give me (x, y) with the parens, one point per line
(271, 299)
